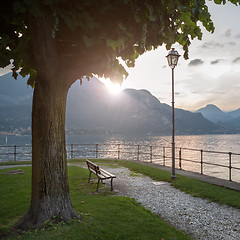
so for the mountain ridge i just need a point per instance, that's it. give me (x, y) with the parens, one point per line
(91, 108)
(132, 111)
(229, 119)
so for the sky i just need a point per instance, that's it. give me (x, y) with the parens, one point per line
(211, 75)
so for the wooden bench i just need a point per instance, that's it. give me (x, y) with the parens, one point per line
(100, 173)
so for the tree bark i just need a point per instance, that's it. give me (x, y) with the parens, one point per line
(50, 189)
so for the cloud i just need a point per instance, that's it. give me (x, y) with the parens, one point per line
(195, 62)
(236, 60)
(222, 91)
(218, 92)
(216, 61)
(212, 44)
(237, 36)
(228, 33)
(232, 43)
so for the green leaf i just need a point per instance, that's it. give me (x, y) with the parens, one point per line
(220, 1)
(122, 26)
(152, 17)
(114, 44)
(88, 42)
(14, 73)
(32, 77)
(137, 18)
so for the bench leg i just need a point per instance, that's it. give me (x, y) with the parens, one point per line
(111, 184)
(89, 177)
(98, 184)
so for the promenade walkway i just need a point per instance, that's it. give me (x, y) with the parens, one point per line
(204, 178)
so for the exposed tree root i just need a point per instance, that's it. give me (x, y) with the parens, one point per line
(36, 218)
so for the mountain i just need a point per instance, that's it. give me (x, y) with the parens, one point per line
(216, 115)
(91, 108)
(233, 123)
(235, 114)
(14, 92)
(16, 119)
(234, 120)
(15, 105)
(132, 111)
(213, 113)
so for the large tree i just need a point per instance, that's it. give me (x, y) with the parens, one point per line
(56, 42)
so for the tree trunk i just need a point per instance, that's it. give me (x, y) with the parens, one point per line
(50, 189)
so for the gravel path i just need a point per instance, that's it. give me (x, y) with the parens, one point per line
(197, 217)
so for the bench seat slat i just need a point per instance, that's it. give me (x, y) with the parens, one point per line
(102, 177)
(106, 173)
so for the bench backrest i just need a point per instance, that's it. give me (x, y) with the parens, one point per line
(93, 167)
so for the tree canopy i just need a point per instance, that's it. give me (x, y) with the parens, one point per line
(91, 35)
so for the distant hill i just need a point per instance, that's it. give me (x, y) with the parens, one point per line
(16, 119)
(15, 105)
(216, 115)
(91, 108)
(14, 92)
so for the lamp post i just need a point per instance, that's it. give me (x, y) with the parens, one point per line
(172, 58)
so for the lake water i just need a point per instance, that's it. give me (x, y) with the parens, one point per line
(128, 149)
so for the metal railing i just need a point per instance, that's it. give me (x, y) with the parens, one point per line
(15, 152)
(230, 165)
(213, 163)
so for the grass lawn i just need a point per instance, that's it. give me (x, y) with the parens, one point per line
(15, 163)
(104, 216)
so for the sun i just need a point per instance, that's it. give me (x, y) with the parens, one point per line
(114, 88)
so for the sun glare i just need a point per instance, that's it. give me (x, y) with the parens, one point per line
(114, 88)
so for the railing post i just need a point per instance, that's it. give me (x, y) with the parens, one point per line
(96, 150)
(71, 151)
(201, 161)
(230, 166)
(118, 151)
(15, 153)
(164, 156)
(138, 153)
(180, 158)
(150, 154)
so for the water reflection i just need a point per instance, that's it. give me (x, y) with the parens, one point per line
(146, 148)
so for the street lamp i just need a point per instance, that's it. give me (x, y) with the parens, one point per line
(172, 58)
